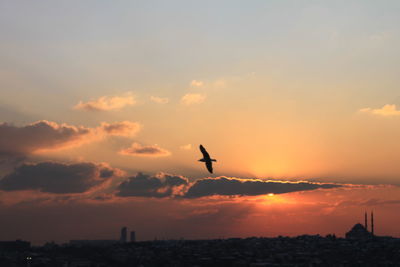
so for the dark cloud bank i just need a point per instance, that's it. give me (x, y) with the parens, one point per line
(62, 178)
(247, 187)
(178, 186)
(142, 185)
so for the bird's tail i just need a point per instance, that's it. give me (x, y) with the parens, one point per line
(213, 160)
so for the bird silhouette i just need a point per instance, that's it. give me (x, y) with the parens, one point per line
(207, 159)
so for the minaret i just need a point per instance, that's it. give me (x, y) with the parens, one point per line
(372, 222)
(366, 221)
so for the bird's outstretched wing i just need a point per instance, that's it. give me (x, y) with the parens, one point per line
(205, 153)
(209, 166)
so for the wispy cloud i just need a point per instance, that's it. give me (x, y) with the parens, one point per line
(159, 100)
(380, 202)
(381, 36)
(196, 83)
(106, 103)
(137, 149)
(186, 147)
(386, 111)
(123, 128)
(216, 84)
(191, 99)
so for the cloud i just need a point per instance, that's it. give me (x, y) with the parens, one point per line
(159, 100)
(44, 135)
(380, 37)
(160, 185)
(190, 99)
(196, 83)
(186, 147)
(219, 84)
(248, 187)
(59, 178)
(380, 202)
(106, 103)
(40, 135)
(137, 149)
(216, 84)
(386, 111)
(123, 128)
(166, 185)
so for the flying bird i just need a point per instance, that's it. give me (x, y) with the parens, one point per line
(207, 159)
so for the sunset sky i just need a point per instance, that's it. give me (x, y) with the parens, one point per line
(103, 105)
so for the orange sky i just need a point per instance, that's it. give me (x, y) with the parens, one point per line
(103, 107)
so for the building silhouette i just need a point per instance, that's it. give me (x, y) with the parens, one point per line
(360, 231)
(133, 236)
(17, 245)
(92, 243)
(100, 242)
(124, 235)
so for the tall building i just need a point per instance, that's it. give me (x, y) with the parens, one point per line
(133, 236)
(124, 235)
